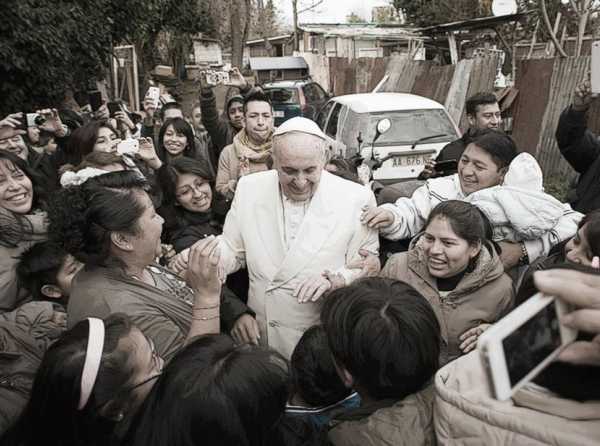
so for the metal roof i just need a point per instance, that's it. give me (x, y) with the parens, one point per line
(362, 30)
(381, 102)
(480, 22)
(277, 63)
(270, 39)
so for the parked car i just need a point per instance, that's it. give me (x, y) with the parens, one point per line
(295, 98)
(419, 129)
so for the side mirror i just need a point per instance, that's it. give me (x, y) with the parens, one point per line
(383, 125)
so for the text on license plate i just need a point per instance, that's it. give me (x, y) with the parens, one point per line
(410, 160)
(278, 114)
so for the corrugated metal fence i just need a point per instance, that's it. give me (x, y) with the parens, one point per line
(546, 88)
(449, 84)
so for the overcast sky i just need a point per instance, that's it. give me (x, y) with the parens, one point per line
(330, 11)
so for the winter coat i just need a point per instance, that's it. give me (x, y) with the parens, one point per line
(408, 422)
(229, 164)
(164, 317)
(25, 334)
(466, 414)
(32, 231)
(520, 210)
(580, 147)
(410, 215)
(483, 295)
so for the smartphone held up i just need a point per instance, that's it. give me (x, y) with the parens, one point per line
(519, 346)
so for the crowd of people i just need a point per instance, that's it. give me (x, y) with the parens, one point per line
(211, 279)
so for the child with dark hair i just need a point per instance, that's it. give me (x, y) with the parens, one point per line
(46, 271)
(385, 341)
(318, 391)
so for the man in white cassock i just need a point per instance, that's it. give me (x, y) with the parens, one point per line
(297, 230)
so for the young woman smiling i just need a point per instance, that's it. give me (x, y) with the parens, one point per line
(22, 222)
(458, 269)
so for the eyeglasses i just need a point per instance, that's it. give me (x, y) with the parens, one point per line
(188, 189)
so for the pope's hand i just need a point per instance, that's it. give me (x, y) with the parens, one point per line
(311, 289)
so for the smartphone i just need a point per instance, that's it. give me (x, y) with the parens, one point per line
(95, 99)
(520, 345)
(154, 94)
(113, 107)
(595, 76)
(217, 77)
(446, 166)
(128, 146)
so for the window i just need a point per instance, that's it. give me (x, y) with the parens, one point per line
(333, 121)
(319, 93)
(322, 116)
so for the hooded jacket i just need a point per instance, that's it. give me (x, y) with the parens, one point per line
(466, 414)
(483, 295)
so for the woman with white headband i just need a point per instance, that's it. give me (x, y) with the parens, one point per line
(88, 386)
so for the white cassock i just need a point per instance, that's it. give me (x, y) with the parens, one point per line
(282, 243)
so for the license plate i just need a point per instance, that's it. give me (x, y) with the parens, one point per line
(410, 160)
(278, 114)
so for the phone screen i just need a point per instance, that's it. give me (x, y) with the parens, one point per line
(531, 343)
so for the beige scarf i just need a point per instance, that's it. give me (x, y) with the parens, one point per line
(246, 149)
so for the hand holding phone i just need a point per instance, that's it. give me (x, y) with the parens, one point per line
(446, 167)
(114, 107)
(128, 146)
(520, 345)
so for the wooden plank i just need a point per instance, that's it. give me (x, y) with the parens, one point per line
(457, 93)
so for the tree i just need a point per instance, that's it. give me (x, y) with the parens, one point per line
(299, 7)
(354, 18)
(434, 12)
(52, 47)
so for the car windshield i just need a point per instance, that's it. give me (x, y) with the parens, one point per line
(407, 127)
(282, 95)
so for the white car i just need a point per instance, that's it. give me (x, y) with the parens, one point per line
(419, 129)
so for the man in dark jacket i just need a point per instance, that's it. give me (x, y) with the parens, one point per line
(483, 112)
(580, 147)
(222, 129)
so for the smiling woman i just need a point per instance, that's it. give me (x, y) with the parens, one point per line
(22, 222)
(457, 268)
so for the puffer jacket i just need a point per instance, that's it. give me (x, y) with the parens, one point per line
(483, 295)
(410, 215)
(25, 334)
(466, 414)
(520, 209)
(408, 422)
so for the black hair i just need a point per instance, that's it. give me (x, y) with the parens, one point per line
(82, 140)
(215, 393)
(385, 334)
(180, 126)
(481, 98)
(168, 174)
(169, 106)
(466, 220)
(592, 231)
(572, 381)
(314, 377)
(256, 96)
(15, 228)
(498, 145)
(57, 388)
(39, 266)
(83, 217)
(99, 160)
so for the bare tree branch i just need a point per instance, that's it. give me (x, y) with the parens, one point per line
(313, 5)
(557, 45)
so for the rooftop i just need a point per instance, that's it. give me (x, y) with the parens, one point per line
(277, 63)
(381, 102)
(368, 30)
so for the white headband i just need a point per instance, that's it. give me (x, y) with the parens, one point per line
(93, 355)
(70, 178)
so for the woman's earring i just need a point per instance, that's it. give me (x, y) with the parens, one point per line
(120, 416)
